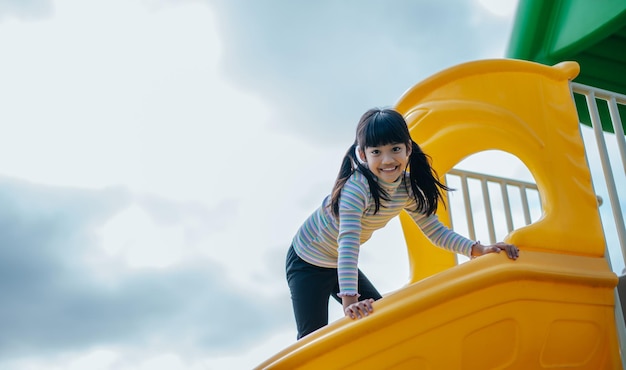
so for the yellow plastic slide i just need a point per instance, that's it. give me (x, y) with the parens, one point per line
(553, 308)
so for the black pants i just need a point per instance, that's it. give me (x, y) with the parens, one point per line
(311, 287)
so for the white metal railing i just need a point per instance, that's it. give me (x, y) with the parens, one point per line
(504, 207)
(613, 100)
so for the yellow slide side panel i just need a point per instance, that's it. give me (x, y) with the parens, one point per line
(522, 108)
(543, 311)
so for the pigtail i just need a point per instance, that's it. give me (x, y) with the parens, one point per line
(346, 170)
(376, 190)
(427, 189)
(349, 164)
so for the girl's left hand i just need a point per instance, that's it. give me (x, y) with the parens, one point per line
(511, 250)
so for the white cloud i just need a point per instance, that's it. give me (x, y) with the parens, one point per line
(97, 96)
(99, 359)
(134, 235)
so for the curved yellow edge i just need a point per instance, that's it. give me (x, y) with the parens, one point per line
(554, 306)
(522, 108)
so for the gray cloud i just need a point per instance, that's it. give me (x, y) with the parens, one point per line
(26, 9)
(53, 301)
(325, 62)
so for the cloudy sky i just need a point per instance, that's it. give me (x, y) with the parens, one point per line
(157, 156)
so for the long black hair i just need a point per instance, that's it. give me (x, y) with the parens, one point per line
(378, 127)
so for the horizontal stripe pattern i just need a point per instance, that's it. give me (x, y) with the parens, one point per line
(328, 242)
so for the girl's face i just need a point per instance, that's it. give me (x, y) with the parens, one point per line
(387, 162)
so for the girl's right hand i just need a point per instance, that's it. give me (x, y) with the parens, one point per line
(359, 309)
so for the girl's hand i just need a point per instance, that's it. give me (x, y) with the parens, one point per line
(511, 251)
(359, 309)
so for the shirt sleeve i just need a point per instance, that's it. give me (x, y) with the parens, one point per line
(440, 235)
(352, 205)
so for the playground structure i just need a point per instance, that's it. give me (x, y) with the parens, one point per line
(552, 308)
(556, 306)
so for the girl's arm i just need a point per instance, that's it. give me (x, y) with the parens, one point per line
(445, 238)
(352, 203)
(441, 236)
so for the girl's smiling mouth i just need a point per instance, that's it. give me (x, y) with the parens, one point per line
(389, 169)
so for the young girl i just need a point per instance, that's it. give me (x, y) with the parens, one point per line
(373, 186)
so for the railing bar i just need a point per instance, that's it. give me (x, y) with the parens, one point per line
(608, 172)
(601, 93)
(525, 206)
(468, 207)
(507, 208)
(619, 130)
(488, 213)
(480, 176)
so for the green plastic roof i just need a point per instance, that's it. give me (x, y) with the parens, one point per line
(590, 32)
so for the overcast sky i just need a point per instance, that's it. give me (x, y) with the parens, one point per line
(157, 156)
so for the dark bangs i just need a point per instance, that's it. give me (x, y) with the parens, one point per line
(384, 127)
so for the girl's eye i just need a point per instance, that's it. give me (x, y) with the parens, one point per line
(397, 149)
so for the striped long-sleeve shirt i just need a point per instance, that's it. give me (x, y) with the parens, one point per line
(325, 241)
